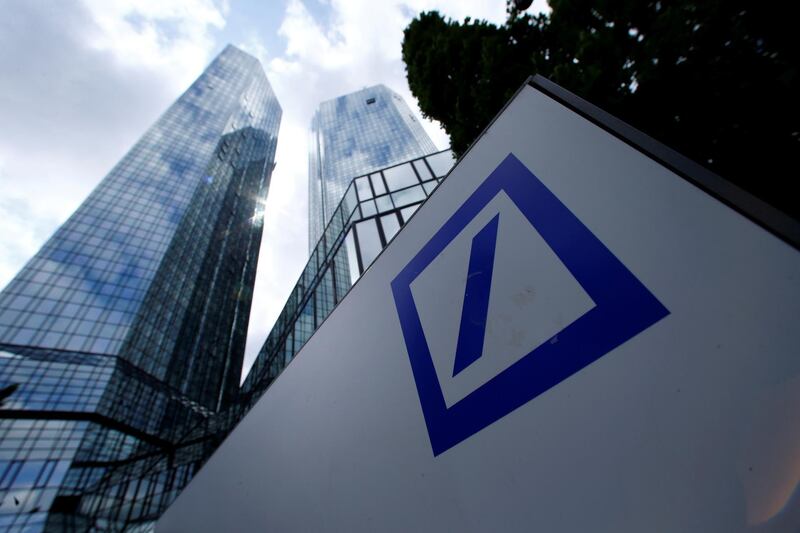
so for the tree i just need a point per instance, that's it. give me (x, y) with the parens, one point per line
(716, 80)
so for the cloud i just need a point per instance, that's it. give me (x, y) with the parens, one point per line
(82, 82)
(26, 226)
(157, 34)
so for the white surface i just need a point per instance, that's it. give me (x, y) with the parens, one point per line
(533, 297)
(692, 425)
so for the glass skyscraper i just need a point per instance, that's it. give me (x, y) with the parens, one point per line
(353, 135)
(126, 331)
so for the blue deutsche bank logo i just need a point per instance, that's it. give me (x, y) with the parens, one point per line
(623, 308)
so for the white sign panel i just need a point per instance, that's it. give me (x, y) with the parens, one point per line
(567, 336)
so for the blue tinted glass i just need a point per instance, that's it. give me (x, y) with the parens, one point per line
(350, 138)
(28, 474)
(130, 321)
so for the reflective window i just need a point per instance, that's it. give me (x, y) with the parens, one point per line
(325, 296)
(384, 203)
(390, 225)
(408, 196)
(10, 471)
(400, 176)
(377, 183)
(350, 202)
(430, 186)
(352, 257)
(441, 163)
(28, 474)
(422, 170)
(304, 327)
(368, 208)
(408, 211)
(289, 350)
(364, 192)
(369, 242)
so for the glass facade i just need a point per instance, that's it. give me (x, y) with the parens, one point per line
(352, 135)
(361, 226)
(125, 333)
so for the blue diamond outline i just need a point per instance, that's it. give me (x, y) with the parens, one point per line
(624, 307)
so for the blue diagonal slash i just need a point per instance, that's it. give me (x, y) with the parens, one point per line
(476, 297)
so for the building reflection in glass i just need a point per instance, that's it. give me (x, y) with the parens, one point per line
(126, 331)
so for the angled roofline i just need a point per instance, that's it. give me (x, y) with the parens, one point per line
(765, 215)
(757, 210)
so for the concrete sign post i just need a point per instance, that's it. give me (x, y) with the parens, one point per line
(578, 331)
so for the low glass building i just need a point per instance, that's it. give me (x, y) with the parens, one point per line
(373, 209)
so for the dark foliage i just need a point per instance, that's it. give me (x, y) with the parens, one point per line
(717, 80)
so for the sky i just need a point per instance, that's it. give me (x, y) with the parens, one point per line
(83, 79)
